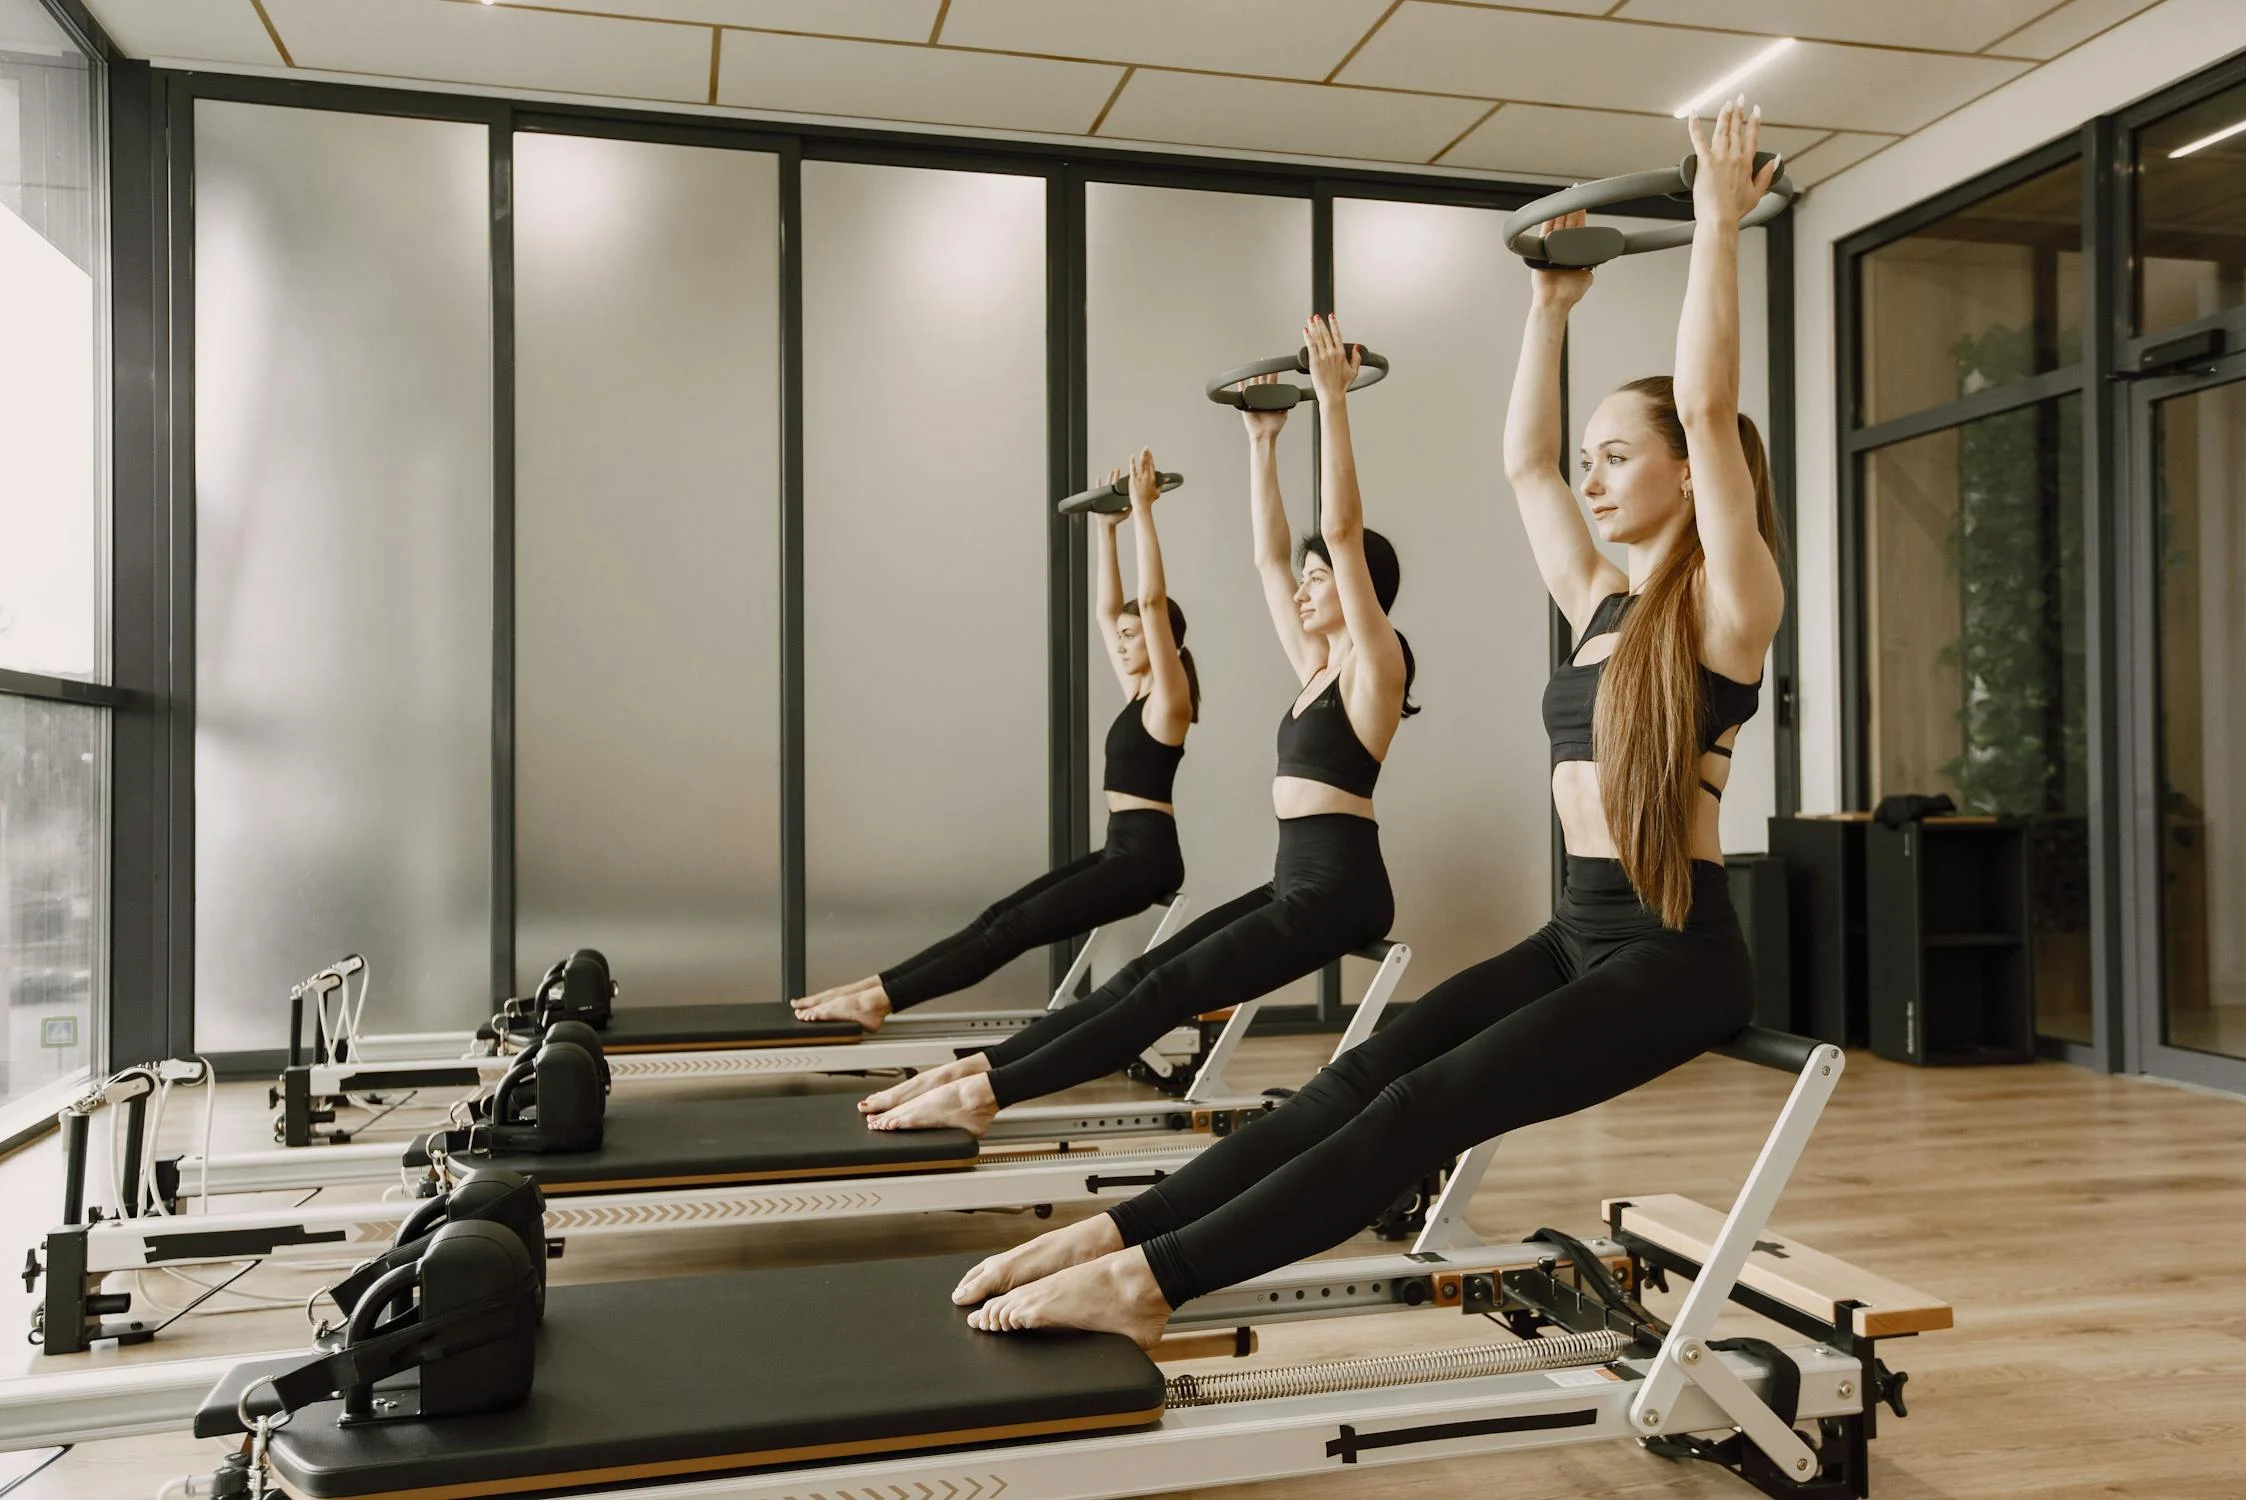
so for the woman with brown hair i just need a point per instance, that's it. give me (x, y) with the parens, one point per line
(1642, 967)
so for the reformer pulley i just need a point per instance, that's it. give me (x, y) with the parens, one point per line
(1585, 245)
(1282, 395)
(1115, 498)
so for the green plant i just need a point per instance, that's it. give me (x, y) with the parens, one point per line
(2015, 553)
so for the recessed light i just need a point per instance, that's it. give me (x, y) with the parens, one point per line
(1730, 80)
(2223, 134)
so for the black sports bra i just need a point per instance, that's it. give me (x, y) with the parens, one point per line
(1138, 764)
(1320, 744)
(1571, 697)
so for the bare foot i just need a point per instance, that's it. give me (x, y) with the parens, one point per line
(921, 1083)
(1055, 1250)
(838, 992)
(868, 1007)
(966, 1104)
(1114, 1294)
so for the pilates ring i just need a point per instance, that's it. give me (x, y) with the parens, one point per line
(1115, 498)
(1588, 245)
(1284, 395)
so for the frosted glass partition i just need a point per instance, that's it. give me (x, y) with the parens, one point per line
(1626, 328)
(925, 506)
(647, 622)
(1182, 284)
(53, 562)
(343, 554)
(1465, 798)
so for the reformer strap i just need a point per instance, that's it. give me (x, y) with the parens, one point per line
(357, 1366)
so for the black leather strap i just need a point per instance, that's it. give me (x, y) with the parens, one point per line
(357, 1366)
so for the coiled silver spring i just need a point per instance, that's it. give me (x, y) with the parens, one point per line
(1553, 1353)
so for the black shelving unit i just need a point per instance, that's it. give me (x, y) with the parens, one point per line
(1758, 894)
(1949, 971)
(1824, 859)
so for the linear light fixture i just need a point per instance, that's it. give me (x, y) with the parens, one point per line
(2223, 134)
(1732, 79)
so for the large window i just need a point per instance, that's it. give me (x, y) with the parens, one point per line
(2191, 214)
(53, 815)
(1967, 489)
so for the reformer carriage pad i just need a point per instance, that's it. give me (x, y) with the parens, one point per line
(682, 1143)
(669, 1378)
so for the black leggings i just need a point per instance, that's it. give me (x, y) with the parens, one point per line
(1328, 896)
(1140, 865)
(1598, 1001)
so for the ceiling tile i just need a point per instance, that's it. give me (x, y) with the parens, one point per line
(1834, 155)
(2069, 26)
(1281, 38)
(496, 45)
(920, 85)
(1301, 118)
(1942, 25)
(202, 30)
(891, 20)
(1588, 143)
(1865, 88)
(1548, 59)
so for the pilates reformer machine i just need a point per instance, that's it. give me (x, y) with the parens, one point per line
(340, 1063)
(635, 1165)
(454, 1320)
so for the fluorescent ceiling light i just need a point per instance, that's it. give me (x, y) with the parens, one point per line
(1732, 79)
(2223, 134)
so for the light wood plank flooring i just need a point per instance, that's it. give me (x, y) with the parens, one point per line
(2085, 1227)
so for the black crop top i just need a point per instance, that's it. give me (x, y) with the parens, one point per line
(1138, 764)
(1320, 744)
(1572, 695)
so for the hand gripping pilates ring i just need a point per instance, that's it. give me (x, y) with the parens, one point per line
(1589, 245)
(1283, 395)
(1112, 499)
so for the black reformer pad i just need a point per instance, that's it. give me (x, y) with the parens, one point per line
(646, 1380)
(658, 1142)
(709, 1028)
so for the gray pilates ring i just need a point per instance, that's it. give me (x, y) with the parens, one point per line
(1113, 499)
(1589, 245)
(1282, 395)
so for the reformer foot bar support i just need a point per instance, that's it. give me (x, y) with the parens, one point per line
(306, 1096)
(77, 1312)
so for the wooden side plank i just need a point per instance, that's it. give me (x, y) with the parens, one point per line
(1802, 1278)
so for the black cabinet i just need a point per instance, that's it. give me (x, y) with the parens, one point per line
(1824, 859)
(1948, 971)
(1757, 885)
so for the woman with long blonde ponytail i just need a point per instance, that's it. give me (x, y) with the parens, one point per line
(1642, 967)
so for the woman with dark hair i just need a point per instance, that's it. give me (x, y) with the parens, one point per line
(1140, 863)
(1642, 967)
(1329, 891)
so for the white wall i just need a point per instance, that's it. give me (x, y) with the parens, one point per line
(2169, 42)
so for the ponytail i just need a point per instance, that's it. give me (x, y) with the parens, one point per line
(1185, 657)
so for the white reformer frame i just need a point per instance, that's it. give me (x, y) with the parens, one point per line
(83, 1254)
(1684, 1387)
(455, 1060)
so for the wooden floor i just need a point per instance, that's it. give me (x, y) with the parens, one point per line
(2086, 1228)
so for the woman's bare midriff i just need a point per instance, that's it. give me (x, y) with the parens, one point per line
(1125, 802)
(1583, 821)
(1300, 797)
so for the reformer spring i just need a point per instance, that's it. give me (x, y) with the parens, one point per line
(1552, 1353)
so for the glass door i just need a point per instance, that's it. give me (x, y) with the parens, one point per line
(2188, 926)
